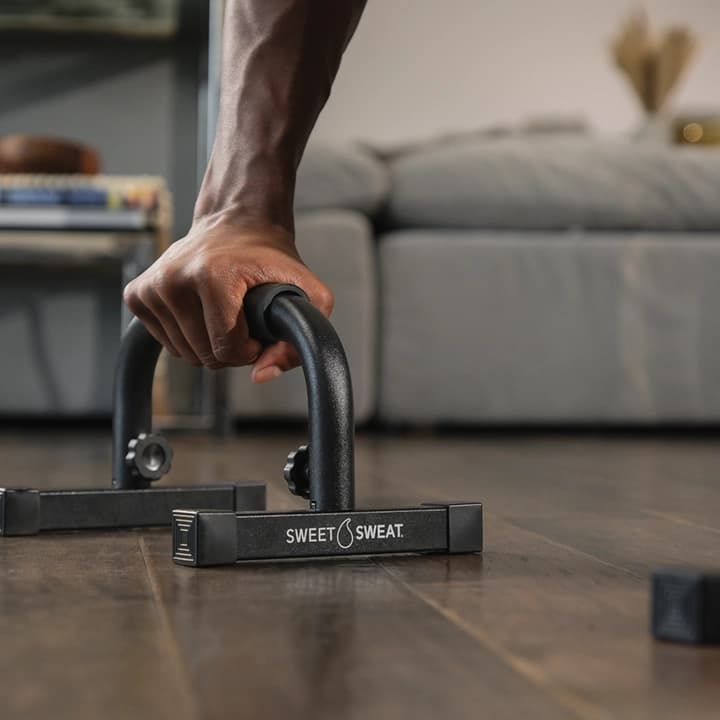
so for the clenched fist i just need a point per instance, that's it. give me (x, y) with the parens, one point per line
(191, 298)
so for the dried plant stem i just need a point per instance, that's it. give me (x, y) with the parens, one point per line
(653, 66)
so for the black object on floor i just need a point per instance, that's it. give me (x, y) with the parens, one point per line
(139, 459)
(686, 606)
(323, 473)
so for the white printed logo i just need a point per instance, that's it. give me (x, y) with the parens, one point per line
(345, 537)
(344, 534)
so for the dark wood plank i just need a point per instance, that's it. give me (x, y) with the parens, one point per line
(550, 622)
(81, 635)
(561, 589)
(332, 639)
(575, 626)
(634, 504)
(312, 640)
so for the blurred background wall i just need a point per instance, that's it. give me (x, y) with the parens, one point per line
(140, 102)
(416, 68)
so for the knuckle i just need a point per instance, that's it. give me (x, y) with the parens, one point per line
(325, 299)
(167, 283)
(205, 273)
(131, 297)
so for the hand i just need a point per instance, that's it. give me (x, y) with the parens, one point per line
(191, 298)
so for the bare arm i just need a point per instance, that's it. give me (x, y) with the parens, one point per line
(280, 58)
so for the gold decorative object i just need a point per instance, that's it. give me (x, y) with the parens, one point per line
(653, 63)
(697, 130)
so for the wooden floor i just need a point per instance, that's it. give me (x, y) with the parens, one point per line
(550, 622)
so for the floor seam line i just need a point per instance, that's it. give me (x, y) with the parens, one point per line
(527, 670)
(446, 497)
(167, 630)
(570, 548)
(670, 517)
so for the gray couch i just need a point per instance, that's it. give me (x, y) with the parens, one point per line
(545, 280)
(529, 280)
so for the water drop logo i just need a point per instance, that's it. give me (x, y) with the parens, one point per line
(345, 535)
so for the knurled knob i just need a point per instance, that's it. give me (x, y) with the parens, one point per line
(149, 456)
(296, 472)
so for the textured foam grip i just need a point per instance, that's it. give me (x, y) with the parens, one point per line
(256, 304)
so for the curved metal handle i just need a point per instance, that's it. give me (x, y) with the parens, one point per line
(283, 312)
(132, 399)
(273, 312)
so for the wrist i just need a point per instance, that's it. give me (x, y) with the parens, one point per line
(246, 211)
(258, 191)
(244, 228)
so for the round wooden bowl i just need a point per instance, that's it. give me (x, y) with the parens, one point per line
(30, 154)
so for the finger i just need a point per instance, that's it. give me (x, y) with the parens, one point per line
(146, 317)
(166, 317)
(191, 320)
(156, 330)
(275, 360)
(265, 375)
(185, 313)
(227, 328)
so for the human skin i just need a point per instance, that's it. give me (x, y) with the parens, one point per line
(280, 58)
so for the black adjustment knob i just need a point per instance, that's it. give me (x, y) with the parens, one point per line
(149, 456)
(296, 471)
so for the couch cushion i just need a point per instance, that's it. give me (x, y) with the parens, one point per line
(484, 326)
(343, 178)
(556, 183)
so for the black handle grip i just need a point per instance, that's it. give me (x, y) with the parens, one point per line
(256, 304)
(283, 312)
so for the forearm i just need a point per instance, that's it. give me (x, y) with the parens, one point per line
(280, 58)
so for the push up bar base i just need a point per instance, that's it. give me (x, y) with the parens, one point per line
(29, 512)
(207, 538)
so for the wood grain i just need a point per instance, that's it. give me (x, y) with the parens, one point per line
(81, 634)
(550, 622)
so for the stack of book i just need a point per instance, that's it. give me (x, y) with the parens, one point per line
(74, 202)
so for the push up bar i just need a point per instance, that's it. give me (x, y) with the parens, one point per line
(322, 472)
(139, 458)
